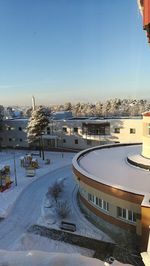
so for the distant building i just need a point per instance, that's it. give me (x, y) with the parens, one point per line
(13, 132)
(61, 115)
(74, 133)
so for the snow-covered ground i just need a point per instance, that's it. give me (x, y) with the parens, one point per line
(8, 197)
(24, 205)
(40, 258)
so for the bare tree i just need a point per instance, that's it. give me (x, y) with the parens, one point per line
(54, 191)
(63, 209)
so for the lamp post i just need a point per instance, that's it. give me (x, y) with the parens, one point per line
(15, 172)
(42, 145)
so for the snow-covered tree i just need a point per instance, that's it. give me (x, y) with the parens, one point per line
(1, 112)
(67, 106)
(36, 126)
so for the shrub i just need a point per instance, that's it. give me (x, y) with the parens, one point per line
(63, 209)
(54, 191)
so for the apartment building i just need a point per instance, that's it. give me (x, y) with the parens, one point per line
(75, 133)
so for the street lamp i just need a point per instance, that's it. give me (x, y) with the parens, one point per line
(15, 172)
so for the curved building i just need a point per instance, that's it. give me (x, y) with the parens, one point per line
(114, 185)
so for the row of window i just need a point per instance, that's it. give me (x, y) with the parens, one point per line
(122, 213)
(75, 129)
(13, 128)
(102, 204)
(126, 214)
(75, 141)
(100, 131)
(117, 130)
(11, 139)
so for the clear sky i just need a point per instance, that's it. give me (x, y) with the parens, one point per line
(72, 50)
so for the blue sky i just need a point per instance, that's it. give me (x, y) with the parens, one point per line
(72, 50)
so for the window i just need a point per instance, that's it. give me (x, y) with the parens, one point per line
(20, 128)
(20, 140)
(96, 129)
(132, 130)
(10, 139)
(64, 140)
(64, 129)
(102, 204)
(75, 130)
(126, 214)
(76, 141)
(48, 130)
(105, 205)
(90, 197)
(117, 130)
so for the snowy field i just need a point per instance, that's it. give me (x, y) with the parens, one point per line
(26, 204)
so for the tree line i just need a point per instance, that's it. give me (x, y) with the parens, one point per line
(111, 107)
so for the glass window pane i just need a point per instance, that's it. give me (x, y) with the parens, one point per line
(124, 214)
(119, 212)
(130, 215)
(100, 203)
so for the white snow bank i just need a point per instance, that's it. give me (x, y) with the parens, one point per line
(37, 242)
(38, 258)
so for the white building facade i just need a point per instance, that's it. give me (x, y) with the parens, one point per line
(77, 134)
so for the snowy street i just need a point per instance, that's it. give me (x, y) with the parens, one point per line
(24, 205)
(26, 210)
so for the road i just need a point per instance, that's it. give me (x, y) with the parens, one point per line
(27, 208)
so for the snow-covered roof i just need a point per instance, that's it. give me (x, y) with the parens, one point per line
(110, 166)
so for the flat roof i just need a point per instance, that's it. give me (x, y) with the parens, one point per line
(109, 166)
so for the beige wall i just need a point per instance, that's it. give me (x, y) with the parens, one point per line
(146, 137)
(87, 141)
(125, 125)
(145, 227)
(113, 201)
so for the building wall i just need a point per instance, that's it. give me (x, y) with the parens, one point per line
(69, 133)
(146, 137)
(130, 132)
(13, 132)
(145, 226)
(134, 215)
(115, 199)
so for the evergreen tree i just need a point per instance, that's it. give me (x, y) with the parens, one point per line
(36, 126)
(1, 112)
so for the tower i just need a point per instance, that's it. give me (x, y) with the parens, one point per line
(33, 103)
